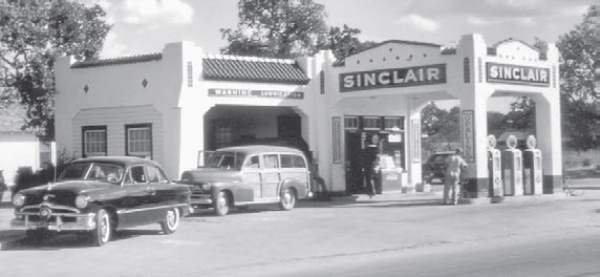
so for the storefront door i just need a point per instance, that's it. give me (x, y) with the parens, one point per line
(354, 175)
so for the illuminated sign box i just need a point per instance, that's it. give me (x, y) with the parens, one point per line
(393, 77)
(217, 92)
(518, 75)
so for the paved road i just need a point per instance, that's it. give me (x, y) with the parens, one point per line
(547, 255)
(321, 238)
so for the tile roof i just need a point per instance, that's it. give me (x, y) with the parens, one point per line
(119, 60)
(232, 68)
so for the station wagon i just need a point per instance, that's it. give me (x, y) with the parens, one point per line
(243, 175)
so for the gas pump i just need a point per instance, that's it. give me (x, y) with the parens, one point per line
(532, 168)
(494, 168)
(512, 167)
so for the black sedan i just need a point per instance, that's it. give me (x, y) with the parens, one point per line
(98, 195)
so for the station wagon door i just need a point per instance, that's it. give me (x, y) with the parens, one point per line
(270, 177)
(293, 168)
(251, 177)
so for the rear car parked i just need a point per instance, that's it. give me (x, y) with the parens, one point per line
(434, 169)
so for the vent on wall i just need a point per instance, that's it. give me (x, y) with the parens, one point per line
(190, 75)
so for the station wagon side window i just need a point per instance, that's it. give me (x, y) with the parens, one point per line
(252, 162)
(292, 161)
(287, 161)
(298, 161)
(270, 161)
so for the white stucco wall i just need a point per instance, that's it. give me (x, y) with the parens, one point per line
(115, 97)
(18, 150)
(177, 109)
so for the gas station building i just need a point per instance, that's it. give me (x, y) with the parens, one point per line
(168, 106)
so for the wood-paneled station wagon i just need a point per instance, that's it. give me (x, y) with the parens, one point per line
(98, 195)
(243, 175)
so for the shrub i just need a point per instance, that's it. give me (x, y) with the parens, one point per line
(586, 162)
(26, 178)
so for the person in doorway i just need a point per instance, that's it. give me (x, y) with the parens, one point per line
(376, 174)
(370, 162)
(454, 165)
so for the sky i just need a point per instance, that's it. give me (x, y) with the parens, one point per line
(145, 26)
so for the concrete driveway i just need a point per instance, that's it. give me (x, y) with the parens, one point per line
(261, 238)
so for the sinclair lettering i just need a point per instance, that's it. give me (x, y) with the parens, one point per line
(393, 77)
(514, 74)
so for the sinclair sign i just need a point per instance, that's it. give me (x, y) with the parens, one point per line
(393, 77)
(516, 74)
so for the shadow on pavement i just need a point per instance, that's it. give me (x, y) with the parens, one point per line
(11, 240)
(254, 208)
(6, 205)
(353, 202)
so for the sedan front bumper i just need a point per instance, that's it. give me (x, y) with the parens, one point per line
(201, 199)
(54, 222)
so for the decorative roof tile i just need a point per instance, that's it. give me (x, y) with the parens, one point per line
(119, 60)
(232, 68)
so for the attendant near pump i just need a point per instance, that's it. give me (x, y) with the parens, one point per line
(453, 171)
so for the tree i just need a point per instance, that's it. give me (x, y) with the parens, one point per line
(32, 34)
(276, 28)
(521, 115)
(440, 129)
(287, 29)
(343, 42)
(580, 86)
(496, 123)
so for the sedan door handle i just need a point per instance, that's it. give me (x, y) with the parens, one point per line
(151, 191)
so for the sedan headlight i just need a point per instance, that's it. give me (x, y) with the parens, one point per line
(205, 186)
(81, 201)
(18, 200)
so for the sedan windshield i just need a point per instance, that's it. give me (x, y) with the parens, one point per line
(223, 159)
(106, 172)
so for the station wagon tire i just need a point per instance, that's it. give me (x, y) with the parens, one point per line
(287, 201)
(222, 204)
(103, 232)
(171, 221)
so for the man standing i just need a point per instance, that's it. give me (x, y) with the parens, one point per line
(454, 166)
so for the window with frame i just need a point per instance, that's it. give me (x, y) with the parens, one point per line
(371, 123)
(94, 141)
(298, 162)
(292, 161)
(155, 175)
(138, 140)
(286, 161)
(270, 161)
(252, 162)
(391, 123)
(223, 136)
(136, 175)
(350, 122)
